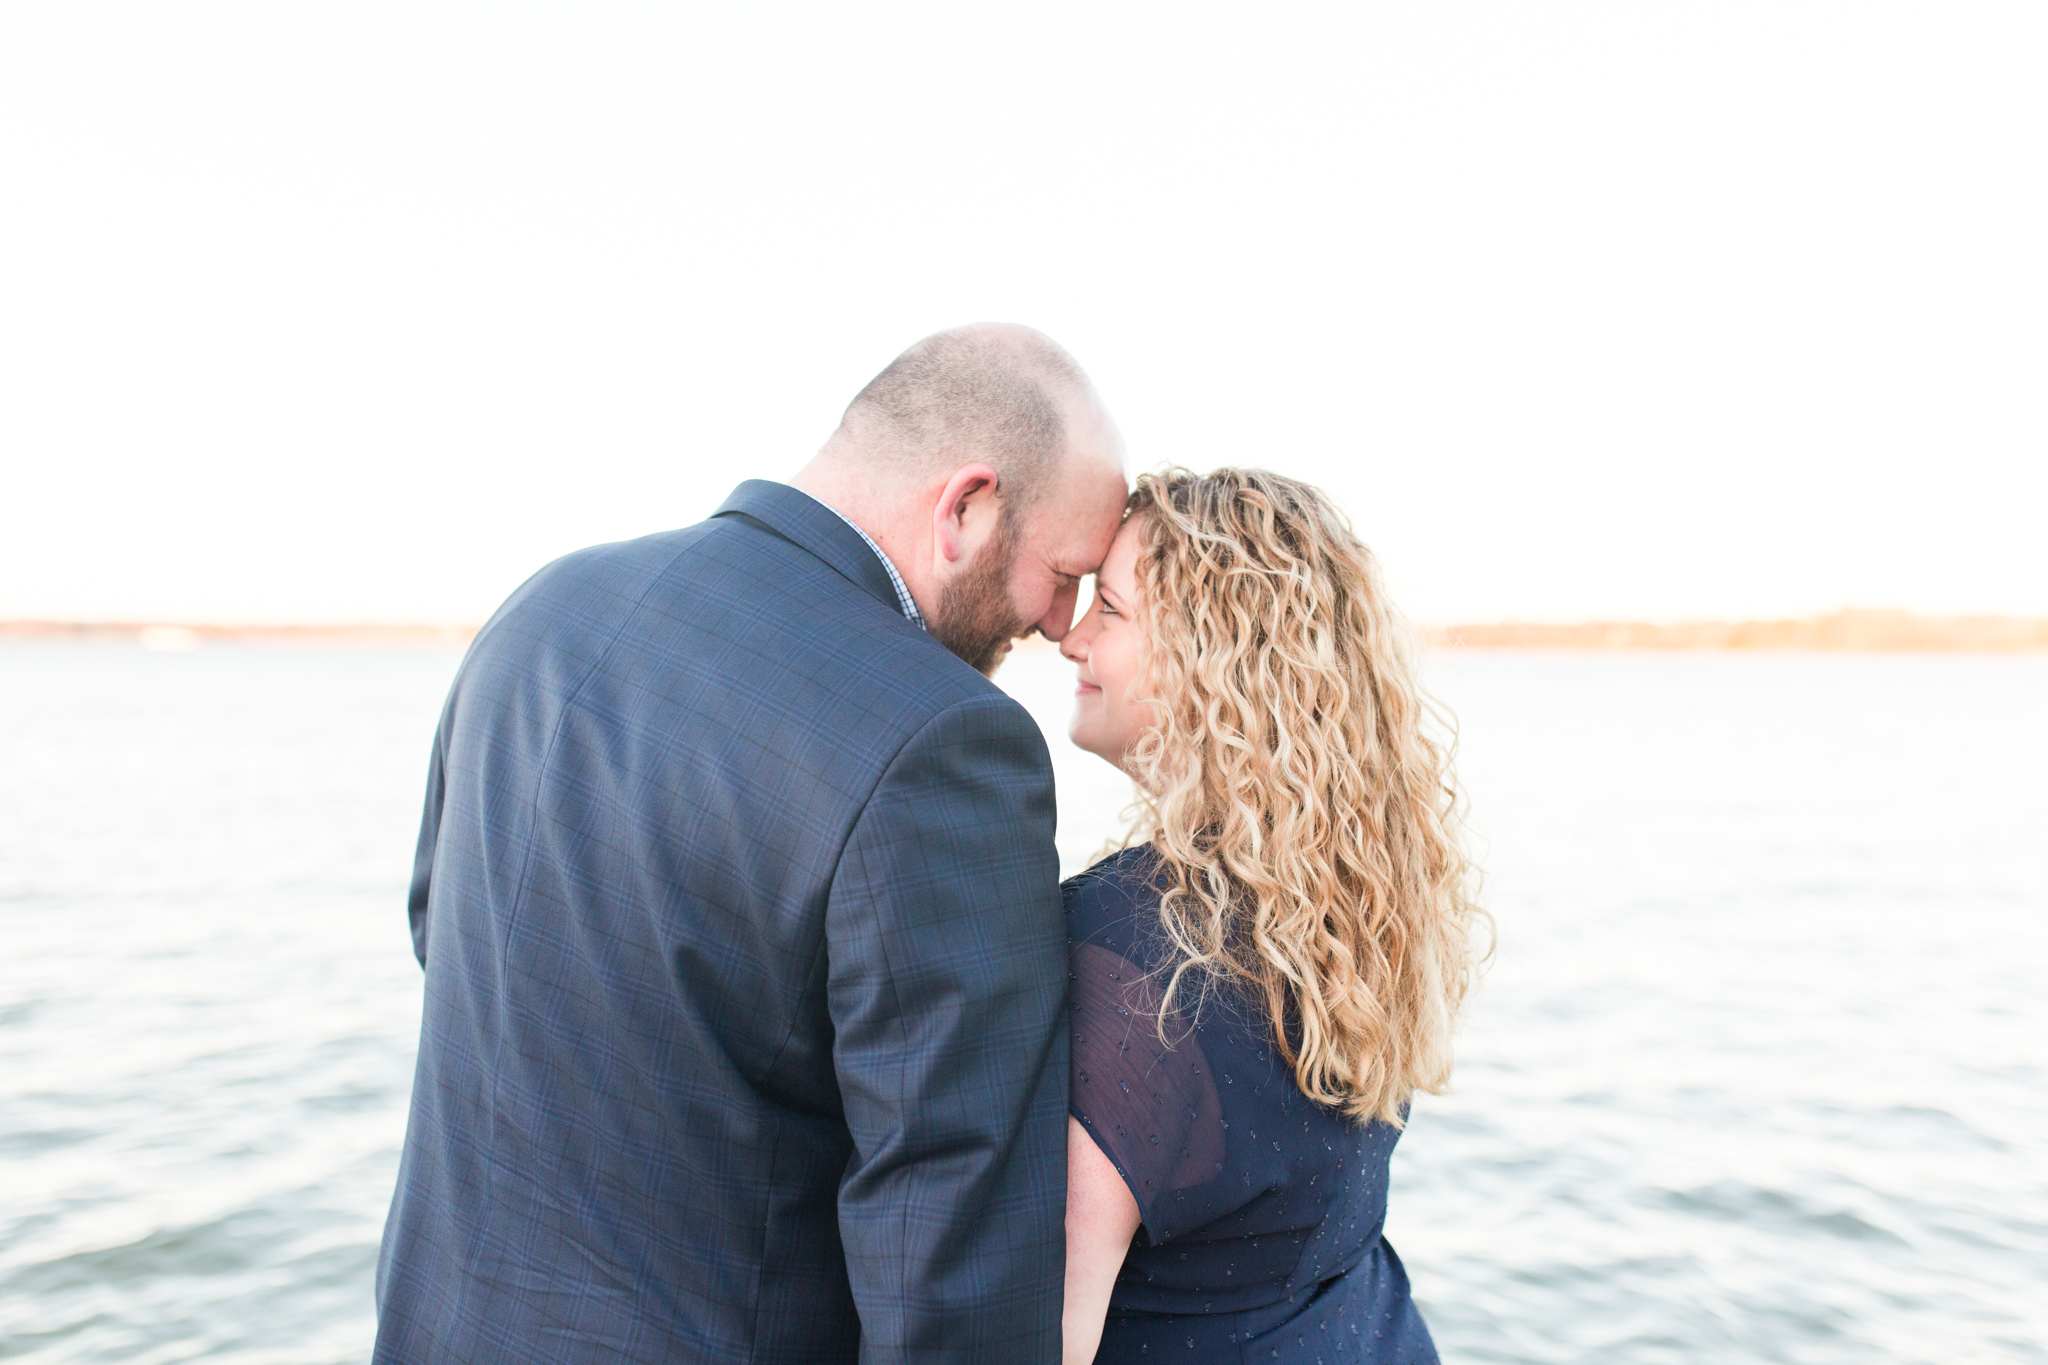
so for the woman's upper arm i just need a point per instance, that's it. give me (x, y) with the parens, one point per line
(1102, 1217)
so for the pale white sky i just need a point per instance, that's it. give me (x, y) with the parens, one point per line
(1633, 309)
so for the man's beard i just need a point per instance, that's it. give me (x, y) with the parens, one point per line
(976, 619)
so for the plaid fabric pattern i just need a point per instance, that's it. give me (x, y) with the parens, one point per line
(903, 597)
(745, 972)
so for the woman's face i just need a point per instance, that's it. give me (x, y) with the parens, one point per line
(1107, 647)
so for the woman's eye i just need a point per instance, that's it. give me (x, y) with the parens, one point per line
(1108, 610)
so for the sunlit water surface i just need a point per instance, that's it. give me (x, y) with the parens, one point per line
(1758, 1073)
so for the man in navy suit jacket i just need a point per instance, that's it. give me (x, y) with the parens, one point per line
(737, 899)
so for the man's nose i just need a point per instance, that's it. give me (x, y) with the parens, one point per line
(1059, 617)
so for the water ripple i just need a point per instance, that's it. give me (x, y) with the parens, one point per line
(1758, 1075)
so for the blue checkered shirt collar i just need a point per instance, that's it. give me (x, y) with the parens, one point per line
(903, 596)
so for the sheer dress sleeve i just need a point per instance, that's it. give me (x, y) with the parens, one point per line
(1149, 1102)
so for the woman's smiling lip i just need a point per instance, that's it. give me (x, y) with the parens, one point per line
(1083, 685)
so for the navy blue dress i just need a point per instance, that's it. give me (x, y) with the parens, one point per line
(1261, 1210)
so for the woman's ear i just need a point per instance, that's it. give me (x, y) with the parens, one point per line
(963, 496)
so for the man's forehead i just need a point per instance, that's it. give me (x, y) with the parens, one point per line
(1079, 547)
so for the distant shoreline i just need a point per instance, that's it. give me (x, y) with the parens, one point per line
(175, 635)
(1842, 631)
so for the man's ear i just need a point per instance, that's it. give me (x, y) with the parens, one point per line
(970, 486)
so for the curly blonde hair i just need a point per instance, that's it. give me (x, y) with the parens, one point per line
(1306, 822)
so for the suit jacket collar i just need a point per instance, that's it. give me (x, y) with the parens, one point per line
(802, 520)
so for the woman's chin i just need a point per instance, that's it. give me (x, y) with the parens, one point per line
(1078, 735)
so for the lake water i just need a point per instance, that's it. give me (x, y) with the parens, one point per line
(1760, 1072)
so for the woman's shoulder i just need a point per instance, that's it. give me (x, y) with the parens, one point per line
(1104, 901)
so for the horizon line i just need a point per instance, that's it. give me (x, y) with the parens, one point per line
(1851, 629)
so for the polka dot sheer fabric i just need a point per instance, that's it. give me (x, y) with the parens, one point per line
(1261, 1210)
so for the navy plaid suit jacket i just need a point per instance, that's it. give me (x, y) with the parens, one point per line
(745, 975)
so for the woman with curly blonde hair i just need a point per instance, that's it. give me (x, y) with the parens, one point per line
(1260, 986)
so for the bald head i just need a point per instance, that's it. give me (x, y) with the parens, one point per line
(983, 466)
(993, 392)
